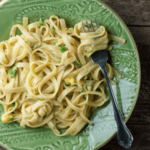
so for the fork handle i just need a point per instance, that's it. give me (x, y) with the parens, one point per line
(124, 136)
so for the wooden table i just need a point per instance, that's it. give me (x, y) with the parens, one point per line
(136, 14)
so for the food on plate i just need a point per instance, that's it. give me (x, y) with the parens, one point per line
(47, 77)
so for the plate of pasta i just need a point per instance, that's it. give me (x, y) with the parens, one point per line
(52, 95)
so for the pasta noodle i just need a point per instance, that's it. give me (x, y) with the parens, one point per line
(47, 77)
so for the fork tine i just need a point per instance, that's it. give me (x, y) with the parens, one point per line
(87, 25)
(83, 27)
(92, 26)
(96, 24)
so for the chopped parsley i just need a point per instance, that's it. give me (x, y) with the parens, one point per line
(41, 58)
(64, 45)
(41, 22)
(26, 41)
(11, 118)
(59, 61)
(88, 52)
(32, 45)
(54, 128)
(54, 91)
(59, 29)
(42, 100)
(55, 43)
(1, 64)
(79, 34)
(84, 91)
(59, 45)
(13, 104)
(77, 63)
(94, 38)
(65, 67)
(53, 27)
(1, 100)
(62, 49)
(12, 72)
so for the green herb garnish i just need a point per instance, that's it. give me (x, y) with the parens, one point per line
(59, 45)
(59, 61)
(41, 58)
(32, 45)
(41, 22)
(26, 41)
(64, 45)
(94, 38)
(54, 128)
(55, 43)
(42, 100)
(1, 64)
(88, 52)
(12, 72)
(65, 67)
(11, 118)
(59, 29)
(53, 27)
(77, 63)
(54, 91)
(84, 91)
(62, 49)
(13, 104)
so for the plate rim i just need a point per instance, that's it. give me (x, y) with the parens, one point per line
(139, 72)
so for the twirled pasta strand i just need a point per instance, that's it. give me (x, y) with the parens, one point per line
(47, 77)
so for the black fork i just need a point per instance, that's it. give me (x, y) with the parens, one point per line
(100, 57)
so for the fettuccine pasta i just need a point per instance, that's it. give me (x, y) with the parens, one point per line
(47, 77)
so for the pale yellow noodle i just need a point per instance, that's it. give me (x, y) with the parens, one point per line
(47, 77)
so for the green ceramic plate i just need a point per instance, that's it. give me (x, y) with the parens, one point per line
(124, 58)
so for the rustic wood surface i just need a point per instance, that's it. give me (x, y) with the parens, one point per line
(136, 14)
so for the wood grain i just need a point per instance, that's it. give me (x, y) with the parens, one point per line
(141, 34)
(133, 12)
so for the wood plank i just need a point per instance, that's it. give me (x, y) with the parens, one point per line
(133, 12)
(141, 34)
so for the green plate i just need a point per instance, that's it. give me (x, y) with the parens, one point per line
(125, 59)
